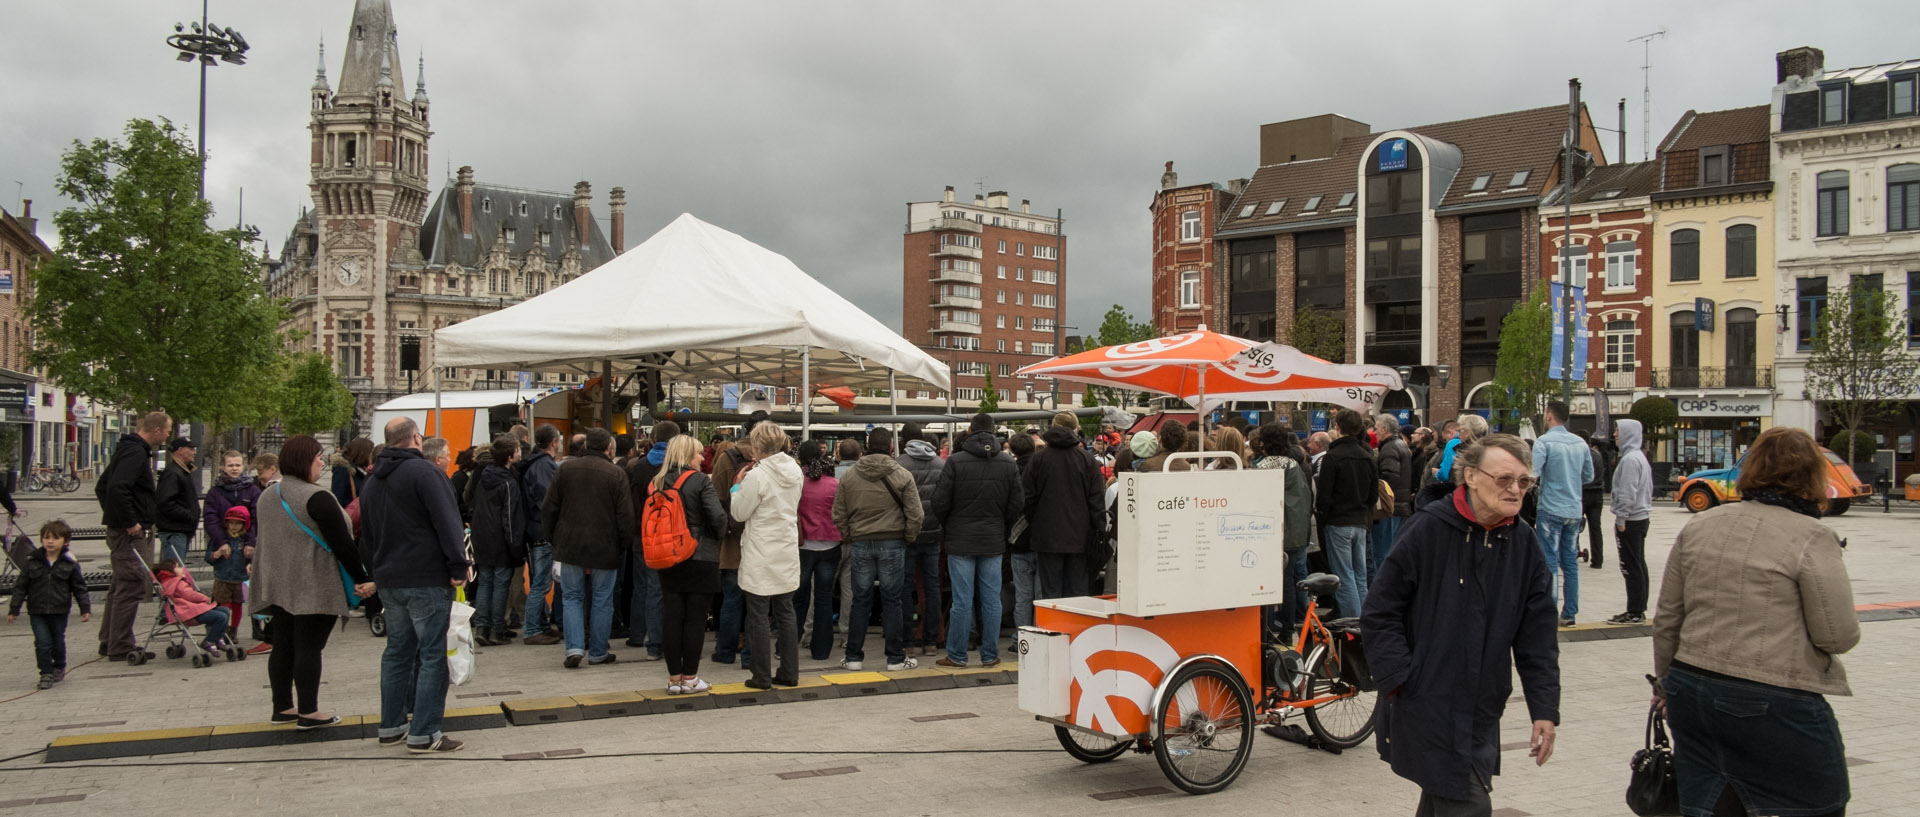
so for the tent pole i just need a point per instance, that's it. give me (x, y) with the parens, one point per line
(606, 395)
(435, 431)
(806, 392)
(893, 400)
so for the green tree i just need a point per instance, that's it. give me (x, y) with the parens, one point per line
(1118, 328)
(1319, 332)
(311, 398)
(1656, 414)
(1520, 383)
(989, 396)
(1860, 367)
(144, 306)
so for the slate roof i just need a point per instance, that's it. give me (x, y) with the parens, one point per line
(1497, 146)
(442, 244)
(377, 35)
(1613, 182)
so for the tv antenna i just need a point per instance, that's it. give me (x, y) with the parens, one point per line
(1646, 89)
(980, 185)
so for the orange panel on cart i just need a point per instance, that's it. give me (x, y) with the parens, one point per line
(1115, 661)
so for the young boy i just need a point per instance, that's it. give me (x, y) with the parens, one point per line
(48, 585)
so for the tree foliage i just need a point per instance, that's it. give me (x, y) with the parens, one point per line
(144, 306)
(1118, 328)
(1656, 414)
(1318, 332)
(1520, 383)
(989, 396)
(1860, 367)
(311, 398)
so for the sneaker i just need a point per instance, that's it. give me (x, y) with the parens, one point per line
(696, 685)
(261, 648)
(395, 740)
(442, 746)
(1566, 621)
(607, 659)
(905, 664)
(482, 639)
(541, 640)
(950, 663)
(1628, 618)
(573, 660)
(850, 665)
(654, 655)
(46, 682)
(304, 724)
(676, 689)
(989, 662)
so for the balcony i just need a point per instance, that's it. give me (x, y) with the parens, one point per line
(957, 276)
(957, 251)
(1714, 378)
(1620, 381)
(965, 224)
(953, 327)
(956, 301)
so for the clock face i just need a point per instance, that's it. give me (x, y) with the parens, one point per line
(349, 271)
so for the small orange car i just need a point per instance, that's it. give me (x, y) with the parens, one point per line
(1705, 489)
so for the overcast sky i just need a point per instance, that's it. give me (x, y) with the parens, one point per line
(807, 126)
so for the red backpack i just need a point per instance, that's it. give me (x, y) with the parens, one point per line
(665, 540)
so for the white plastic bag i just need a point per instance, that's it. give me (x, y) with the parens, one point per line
(460, 639)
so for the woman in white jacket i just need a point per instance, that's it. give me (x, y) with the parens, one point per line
(767, 501)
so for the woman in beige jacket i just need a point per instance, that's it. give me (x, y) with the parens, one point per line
(1753, 611)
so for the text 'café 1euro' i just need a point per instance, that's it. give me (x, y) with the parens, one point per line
(1181, 503)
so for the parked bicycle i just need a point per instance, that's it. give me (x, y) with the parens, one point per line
(51, 480)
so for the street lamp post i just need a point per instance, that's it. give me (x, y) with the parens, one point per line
(205, 43)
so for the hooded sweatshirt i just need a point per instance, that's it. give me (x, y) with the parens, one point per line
(1063, 495)
(877, 501)
(767, 502)
(410, 523)
(923, 461)
(1633, 477)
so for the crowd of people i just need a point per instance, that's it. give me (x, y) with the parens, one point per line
(1448, 544)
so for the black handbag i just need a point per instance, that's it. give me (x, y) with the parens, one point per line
(1652, 789)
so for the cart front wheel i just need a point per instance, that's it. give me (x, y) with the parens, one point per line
(1344, 722)
(1205, 726)
(1090, 748)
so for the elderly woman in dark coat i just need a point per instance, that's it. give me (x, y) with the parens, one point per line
(1461, 600)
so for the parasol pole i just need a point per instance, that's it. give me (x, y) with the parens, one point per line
(1203, 403)
(806, 392)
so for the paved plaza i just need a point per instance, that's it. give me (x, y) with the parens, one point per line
(888, 754)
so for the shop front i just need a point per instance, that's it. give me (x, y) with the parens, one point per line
(1715, 431)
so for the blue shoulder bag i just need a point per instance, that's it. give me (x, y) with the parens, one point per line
(346, 579)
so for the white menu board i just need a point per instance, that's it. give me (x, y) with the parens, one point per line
(1200, 540)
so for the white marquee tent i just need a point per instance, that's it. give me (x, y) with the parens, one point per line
(696, 303)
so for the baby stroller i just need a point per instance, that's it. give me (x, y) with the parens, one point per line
(178, 634)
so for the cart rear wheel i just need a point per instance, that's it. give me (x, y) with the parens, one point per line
(1090, 748)
(1205, 725)
(1345, 722)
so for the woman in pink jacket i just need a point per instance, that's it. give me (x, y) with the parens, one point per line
(819, 549)
(187, 605)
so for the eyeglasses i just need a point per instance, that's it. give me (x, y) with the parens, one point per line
(1507, 483)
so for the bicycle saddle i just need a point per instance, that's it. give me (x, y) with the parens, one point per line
(1320, 584)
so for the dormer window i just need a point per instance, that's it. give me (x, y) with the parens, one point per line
(557, 213)
(507, 234)
(486, 205)
(523, 208)
(1716, 165)
(1833, 104)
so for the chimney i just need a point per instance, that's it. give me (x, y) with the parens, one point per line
(1026, 206)
(617, 201)
(997, 199)
(949, 195)
(1236, 187)
(582, 213)
(1805, 62)
(979, 200)
(463, 194)
(26, 218)
(1169, 179)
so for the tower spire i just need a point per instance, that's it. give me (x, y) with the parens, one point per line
(386, 64)
(320, 71)
(420, 77)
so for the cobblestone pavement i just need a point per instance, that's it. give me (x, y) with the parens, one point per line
(1604, 706)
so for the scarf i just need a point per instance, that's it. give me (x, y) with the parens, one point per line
(1463, 504)
(1769, 496)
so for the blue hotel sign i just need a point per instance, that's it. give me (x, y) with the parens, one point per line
(1393, 155)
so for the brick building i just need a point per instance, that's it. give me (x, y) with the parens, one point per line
(1421, 238)
(1611, 257)
(21, 251)
(984, 288)
(1183, 251)
(381, 260)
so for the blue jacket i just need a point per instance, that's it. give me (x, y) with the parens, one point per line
(536, 474)
(1563, 464)
(410, 523)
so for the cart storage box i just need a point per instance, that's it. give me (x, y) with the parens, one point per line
(1200, 540)
(1045, 675)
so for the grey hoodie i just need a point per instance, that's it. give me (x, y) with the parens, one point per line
(1633, 477)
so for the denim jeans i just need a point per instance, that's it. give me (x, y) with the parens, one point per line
(1384, 532)
(1026, 579)
(49, 641)
(885, 558)
(539, 581)
(1293, 601)
(645, 611)
(817, 569)
(1779, 748)
(1346, 549)
(923, 562)
(731, 625)
(216, 621)
(1560, 542)
(971, 575)
(580, 634)
(413, 670)
(175, 546)
(490, 598)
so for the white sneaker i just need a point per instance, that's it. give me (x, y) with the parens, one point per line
(905, 664)
(698, 685)
(850, 665)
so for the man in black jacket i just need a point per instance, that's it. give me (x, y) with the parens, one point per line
(536, 468)
(125, 491)
(177, 502)
(410, 525)
(1065, 504)
(1344, 495)
(1395, 461)
(589, 515)
(977, 499)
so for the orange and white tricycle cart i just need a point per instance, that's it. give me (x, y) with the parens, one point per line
(1178, 661)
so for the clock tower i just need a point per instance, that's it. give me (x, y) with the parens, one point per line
(370, 194)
